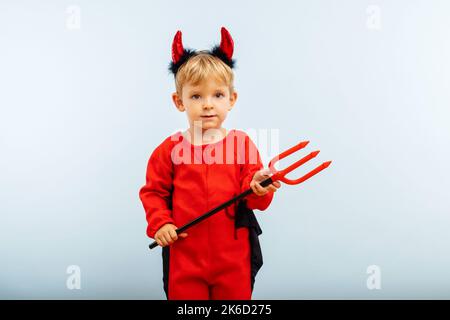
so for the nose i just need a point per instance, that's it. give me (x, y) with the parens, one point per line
(207, 104)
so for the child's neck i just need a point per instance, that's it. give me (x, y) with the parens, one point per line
(199, 136)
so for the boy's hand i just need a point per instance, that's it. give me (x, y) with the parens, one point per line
(166, 235)
(262, 175)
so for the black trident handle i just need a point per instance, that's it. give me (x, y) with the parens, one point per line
(264, 183)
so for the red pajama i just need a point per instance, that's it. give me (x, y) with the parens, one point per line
(184, 181)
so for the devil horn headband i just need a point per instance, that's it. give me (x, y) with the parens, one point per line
(180, 55)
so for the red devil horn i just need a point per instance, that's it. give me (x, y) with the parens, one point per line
(226, 43)
(177, 47)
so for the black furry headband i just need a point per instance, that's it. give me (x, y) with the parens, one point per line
(180, 55)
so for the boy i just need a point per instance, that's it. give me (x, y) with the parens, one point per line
(192, 172)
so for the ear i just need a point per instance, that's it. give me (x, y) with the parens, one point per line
(233, 98)
(178, 102)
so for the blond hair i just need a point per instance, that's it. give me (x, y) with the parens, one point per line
(202, 66)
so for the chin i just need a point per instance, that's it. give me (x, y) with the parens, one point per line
(211, 126)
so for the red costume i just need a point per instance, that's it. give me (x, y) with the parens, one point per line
(220, 257)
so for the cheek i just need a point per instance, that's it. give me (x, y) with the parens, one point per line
(223, 114)
(224, 107)
(191, 114)
(192, 109)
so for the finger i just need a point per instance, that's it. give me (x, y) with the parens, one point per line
(183, 235)
(173, 234)
(277, 184)
(168, 238)
(163, 241)
(158, 242)
(262, 175)
(258, 189)
(261, 190)
(271, 188)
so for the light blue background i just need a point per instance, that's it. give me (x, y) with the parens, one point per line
(81, 111)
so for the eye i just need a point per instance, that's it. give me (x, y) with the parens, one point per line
(219, 94)
(195, 96)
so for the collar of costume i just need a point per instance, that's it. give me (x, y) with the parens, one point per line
(180, 55)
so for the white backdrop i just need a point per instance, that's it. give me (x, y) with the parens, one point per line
(85, 98)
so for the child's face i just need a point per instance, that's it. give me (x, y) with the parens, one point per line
(206, 104)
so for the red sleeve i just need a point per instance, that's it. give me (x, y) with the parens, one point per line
(252, 164)
(156, 194)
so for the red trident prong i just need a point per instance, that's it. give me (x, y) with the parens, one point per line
(280, 175)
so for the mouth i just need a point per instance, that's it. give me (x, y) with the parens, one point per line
(208, 117)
